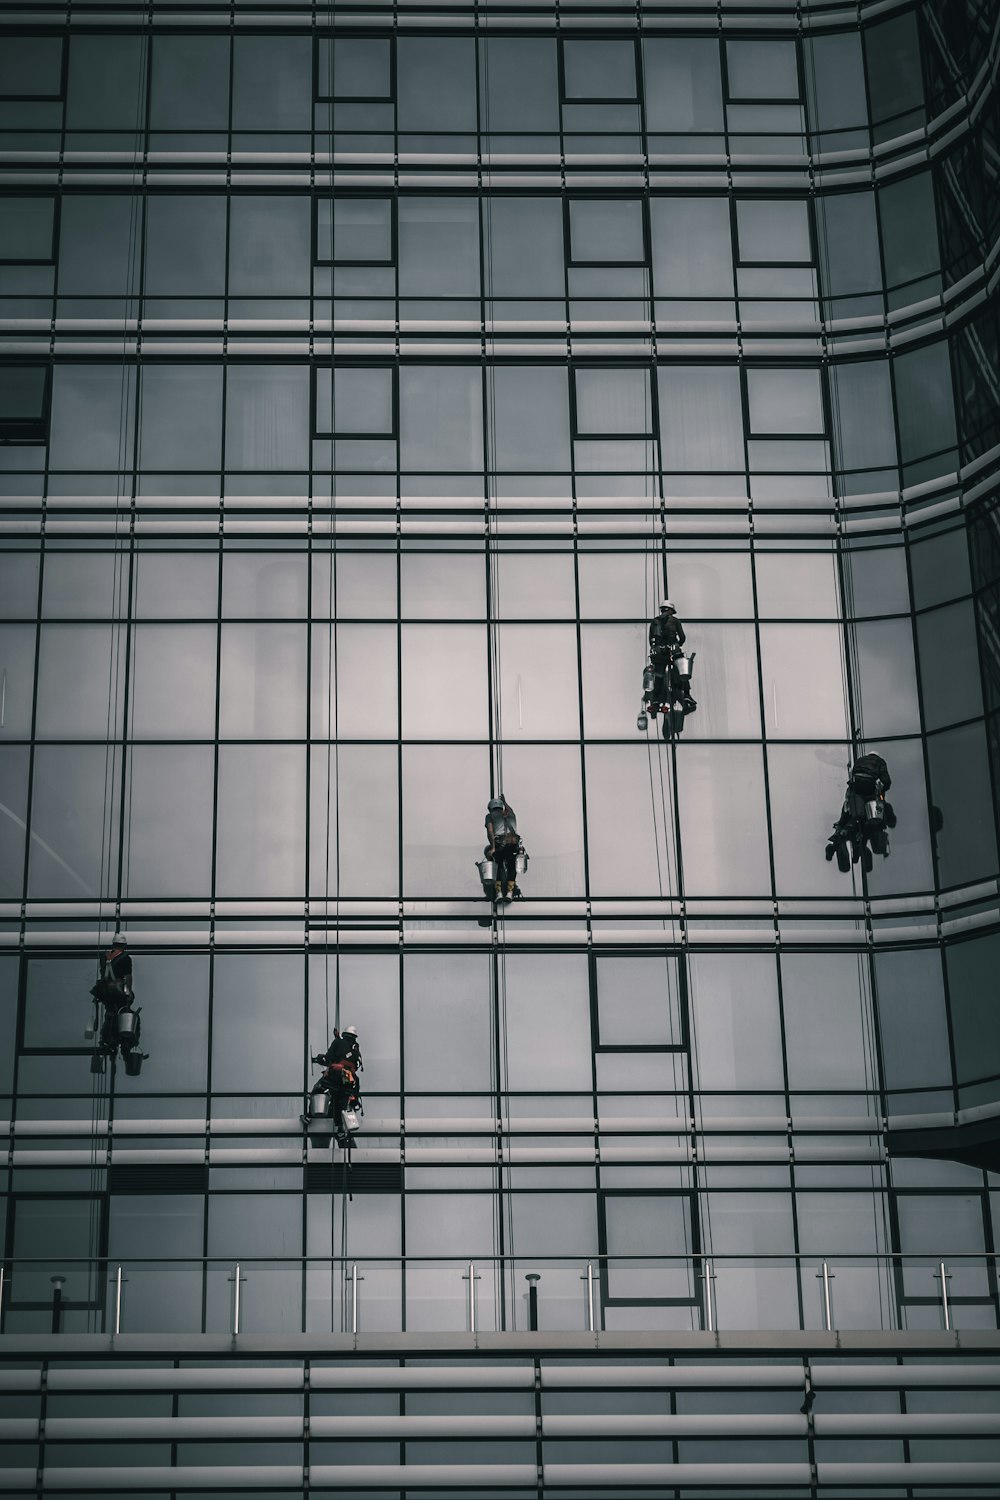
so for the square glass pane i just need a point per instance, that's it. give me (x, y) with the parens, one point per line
(599, 70)
(966, 842)
(181, 417)
(190, 85)
(692, 246)
(630, 844)
(86, 426)
(607, 231)
(74, 802)
(762, 70)
(701, 418)
(436, 84)
(526, 248)
(912, 1018)
(826, 999)
(441, 418)
(773, 231)
(362, 586)
(438, 247)
(176, 585)
(785, 401)
(863, 427)
(444, 682)
(683, 85)
(269, 251)
(797, 585)
(354, 231)
(639, 1002)
(264, 585)
(353, 690)
(26, 227)
(354, 67)
(614, 403)
(272, 86)
(80, 681)
(949, 665)
(529, 418)
(660, 1233)
(357, 402)
(519, 83)
(443, 585)
(810, 779)
(262, 692)
(887, 677)
(31, 67)
(267, 417)
(803, 677)
(185, 246)
(535, 585)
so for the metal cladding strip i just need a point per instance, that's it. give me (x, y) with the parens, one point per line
(422, 1378)
(200, 1378)
(903, 1377)
(670, 1377)
(946, 1475)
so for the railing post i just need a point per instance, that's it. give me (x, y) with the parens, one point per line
(235, 1279)
(589, 1279)
(708, 1276)
(58, 1282)
(472, 1278)
(945, 1276)
(3, 1288)
(355, 1278)
(119, 1279)
(826, 1276)
(533, 1279)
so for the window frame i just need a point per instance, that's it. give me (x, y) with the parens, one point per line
(355, 197)
(609, 197)
(361, 36)
(316, 434)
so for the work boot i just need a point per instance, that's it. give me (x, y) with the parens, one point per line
(497, 888)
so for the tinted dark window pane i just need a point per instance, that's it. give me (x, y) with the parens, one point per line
(354, 68)
(912, 1020)
(835, 82)
(909, 229)
(354, 229)
(355, 401)
(438, 247)
(31, 66)
(610, 231)
(939, 567)
(849, 246)
(762, 70)
(863, 429)
(272, 83)
(97, 245)
(924, 402)
(520, 81)
(22, 400)
(683, 84)
(185, 246)
(772, 230)
(181, 418)
(107, 86)
(960, 787)
(524, 247)
(436, 84)
(691, 247)
(190, 83)
(599, 70)
(972, 971)
(26, 229)
(701, 418)
(269, 247)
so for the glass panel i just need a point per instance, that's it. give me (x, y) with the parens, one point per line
(360, 67)
(171, 790)
(649, 1227)
(447, 1030)
(543, 784)
(190, 89)
(525, 245)
(13, 819)
(86, 430)
(630, 843)
(272, 87)
(350, 230)
(269, 253)
(803, 675)
(26, 229)
(267, 417)
(438, 247)
(243, 1225)
(735, 1021)
(261, 821)
(639, 1002)
(615, 402)
(608, 231)
(529, 418)
(826, 998)
(443, 585)
(692, 244)
(683, 85)
(441, 417)
(972, 967)
(701, 418)
(807, 791)
(949, 665)
(356, 853)
(436, 84)
(785, 401)
(547, 997)
(599, 70)
(17, 680)
(165, 1298)
(762, 70)
(863, 430)
(773, 230)
(445, 791)
(753, 1294)
(32, 66)
(720, 791)
(173, 682)
(81, 671)
(444, 682)
(888, 677)
(539, 688)
(181, 421)
(519, 83)
(913, 1021)
(264, 585)
(342, 700)
(185, 246)
(176, 585)
(257, 1045)
(74, 821)
(797, 585)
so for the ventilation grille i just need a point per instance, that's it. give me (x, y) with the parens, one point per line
(365, 1177)
(169, 1177)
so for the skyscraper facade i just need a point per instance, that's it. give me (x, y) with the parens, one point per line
(368, 379)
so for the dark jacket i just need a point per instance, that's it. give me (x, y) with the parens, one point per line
(868, 769)
(118, 967)
(666, 634)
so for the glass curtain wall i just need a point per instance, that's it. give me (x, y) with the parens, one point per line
(363, 390)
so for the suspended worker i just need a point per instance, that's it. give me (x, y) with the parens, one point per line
(504, 850)
(121, 1025)
(341, 1064)
(865, 817)
(667, 679)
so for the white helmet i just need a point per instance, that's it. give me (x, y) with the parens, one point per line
(350, 1031)
(668, 607)
(119, 940)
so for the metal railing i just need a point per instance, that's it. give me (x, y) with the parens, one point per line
(307, 1294)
